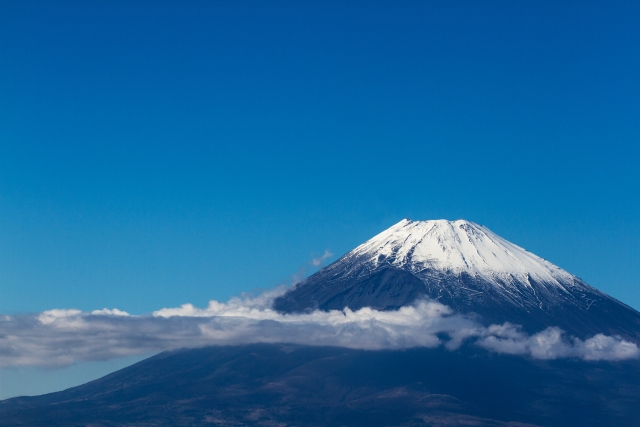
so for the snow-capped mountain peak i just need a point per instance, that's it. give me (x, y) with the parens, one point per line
(457, 247)
(468, 268)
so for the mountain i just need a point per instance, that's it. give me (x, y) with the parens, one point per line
(459, 263)
(469, 268)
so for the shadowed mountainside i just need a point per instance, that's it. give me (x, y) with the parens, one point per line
(283, 385)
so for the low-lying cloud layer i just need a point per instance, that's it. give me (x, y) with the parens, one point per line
(62, 337)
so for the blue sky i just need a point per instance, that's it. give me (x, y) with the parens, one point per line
(158, 153)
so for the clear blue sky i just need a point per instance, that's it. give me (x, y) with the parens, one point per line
(157, 153)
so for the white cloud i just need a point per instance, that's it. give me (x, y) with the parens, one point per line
(603, 347)
(62, 337)
(553, 344)
(108, 312)
(50, 316)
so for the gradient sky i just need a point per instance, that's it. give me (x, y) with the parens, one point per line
(157, 153)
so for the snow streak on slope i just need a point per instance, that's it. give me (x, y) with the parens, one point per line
(458, 247)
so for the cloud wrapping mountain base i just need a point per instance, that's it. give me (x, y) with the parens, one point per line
(63, 337)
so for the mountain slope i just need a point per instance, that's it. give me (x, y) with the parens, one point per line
(469, 268)
(284, 385)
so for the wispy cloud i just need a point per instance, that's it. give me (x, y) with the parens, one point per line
(315, 263)
(62, 337)
(319, 261)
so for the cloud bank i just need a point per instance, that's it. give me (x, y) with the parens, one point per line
(63, 337)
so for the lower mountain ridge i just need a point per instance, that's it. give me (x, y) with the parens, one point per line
(284, 385)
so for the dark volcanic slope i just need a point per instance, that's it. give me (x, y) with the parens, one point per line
(468, 268)
(270, 385)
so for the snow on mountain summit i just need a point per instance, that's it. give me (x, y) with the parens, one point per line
(457, 247)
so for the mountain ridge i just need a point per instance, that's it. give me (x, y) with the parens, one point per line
(271, 385)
